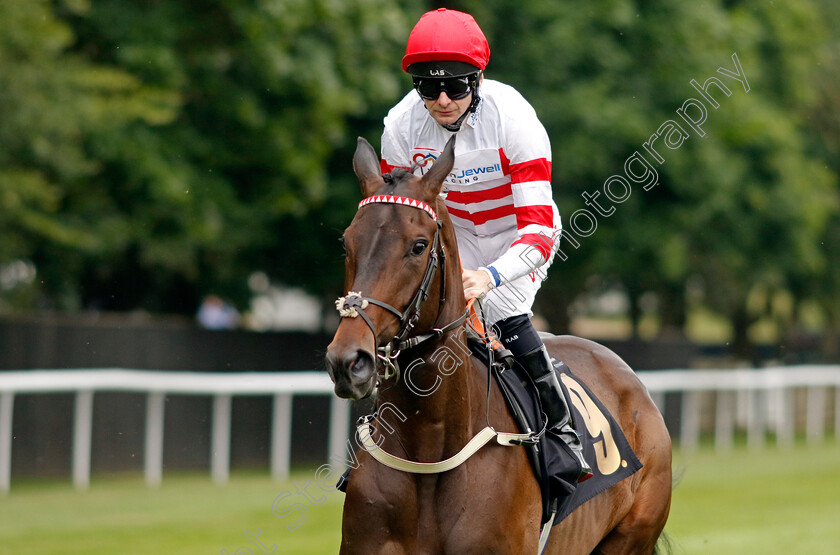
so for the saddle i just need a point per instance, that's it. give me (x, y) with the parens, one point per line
(604, 445)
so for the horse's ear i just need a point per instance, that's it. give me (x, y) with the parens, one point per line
(433, 179)
(367, 168)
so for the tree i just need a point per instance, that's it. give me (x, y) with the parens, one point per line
(237, 169)
(823, 118)
(51, 102)
(739, 201)
(155, 151)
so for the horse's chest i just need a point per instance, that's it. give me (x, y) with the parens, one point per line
(462, 512)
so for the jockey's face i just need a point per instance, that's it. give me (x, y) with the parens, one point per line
(445, 110)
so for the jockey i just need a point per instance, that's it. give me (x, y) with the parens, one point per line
(499, 192)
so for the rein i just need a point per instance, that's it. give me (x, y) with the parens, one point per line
(354, 303)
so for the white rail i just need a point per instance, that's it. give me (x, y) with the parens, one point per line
(761, 397)
(222, 387)
(753, 393)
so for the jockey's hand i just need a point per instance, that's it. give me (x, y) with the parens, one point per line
(476, 283)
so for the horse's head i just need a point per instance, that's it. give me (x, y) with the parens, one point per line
(393, 271)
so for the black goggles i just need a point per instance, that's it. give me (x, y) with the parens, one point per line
(455, 88)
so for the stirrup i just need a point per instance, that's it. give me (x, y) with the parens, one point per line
(576, 447)
(585, 469)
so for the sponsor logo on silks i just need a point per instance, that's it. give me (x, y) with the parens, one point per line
(473, 174)
(421, 160)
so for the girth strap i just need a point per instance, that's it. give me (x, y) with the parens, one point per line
(476, 443)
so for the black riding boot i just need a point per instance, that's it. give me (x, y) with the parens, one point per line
(519, 335)
(538, 365)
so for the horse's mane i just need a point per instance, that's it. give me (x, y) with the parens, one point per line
(396, 176)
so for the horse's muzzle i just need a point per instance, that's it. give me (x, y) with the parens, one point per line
(353, 371)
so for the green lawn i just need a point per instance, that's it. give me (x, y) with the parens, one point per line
(186, 515)
(764, 503)
(772, 501)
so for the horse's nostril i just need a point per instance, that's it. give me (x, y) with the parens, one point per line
(356, 365)
(352, 372)
(361, 366)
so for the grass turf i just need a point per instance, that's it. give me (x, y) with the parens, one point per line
(767, 502)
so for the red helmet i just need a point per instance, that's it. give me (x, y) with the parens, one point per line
(447, 35)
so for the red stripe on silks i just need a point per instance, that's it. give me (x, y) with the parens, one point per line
(532, 170)
(470, 197)
(388, 168)
(534, 215)
(539, 242)
(505, 162)
(484, 216)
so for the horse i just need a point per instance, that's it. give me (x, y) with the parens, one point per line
(401, 341)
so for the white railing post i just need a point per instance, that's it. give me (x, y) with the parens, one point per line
(339, 425)
(7, 406)
(281, 436)
(784, 416)
(755, 419)
(837, 412)
(153, 459)
(690, 421)
(220, 439)
(82, 438)
(815, 414)
(724, 420)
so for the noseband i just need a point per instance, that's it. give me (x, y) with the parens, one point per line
(354, 303)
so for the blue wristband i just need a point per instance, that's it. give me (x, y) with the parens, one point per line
(497, 280)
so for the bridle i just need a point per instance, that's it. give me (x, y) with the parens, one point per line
(354, 303)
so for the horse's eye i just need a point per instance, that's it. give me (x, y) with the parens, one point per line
(419, 247)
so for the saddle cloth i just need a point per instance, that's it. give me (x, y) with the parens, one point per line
(604, 445)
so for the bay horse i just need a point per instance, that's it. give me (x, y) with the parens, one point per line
(405, 309)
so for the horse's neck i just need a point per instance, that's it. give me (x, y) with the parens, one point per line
(434, 407)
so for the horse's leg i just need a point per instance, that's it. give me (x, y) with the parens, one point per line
(640, 517)
(641, 527)
(497, 505)
(378, 520)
